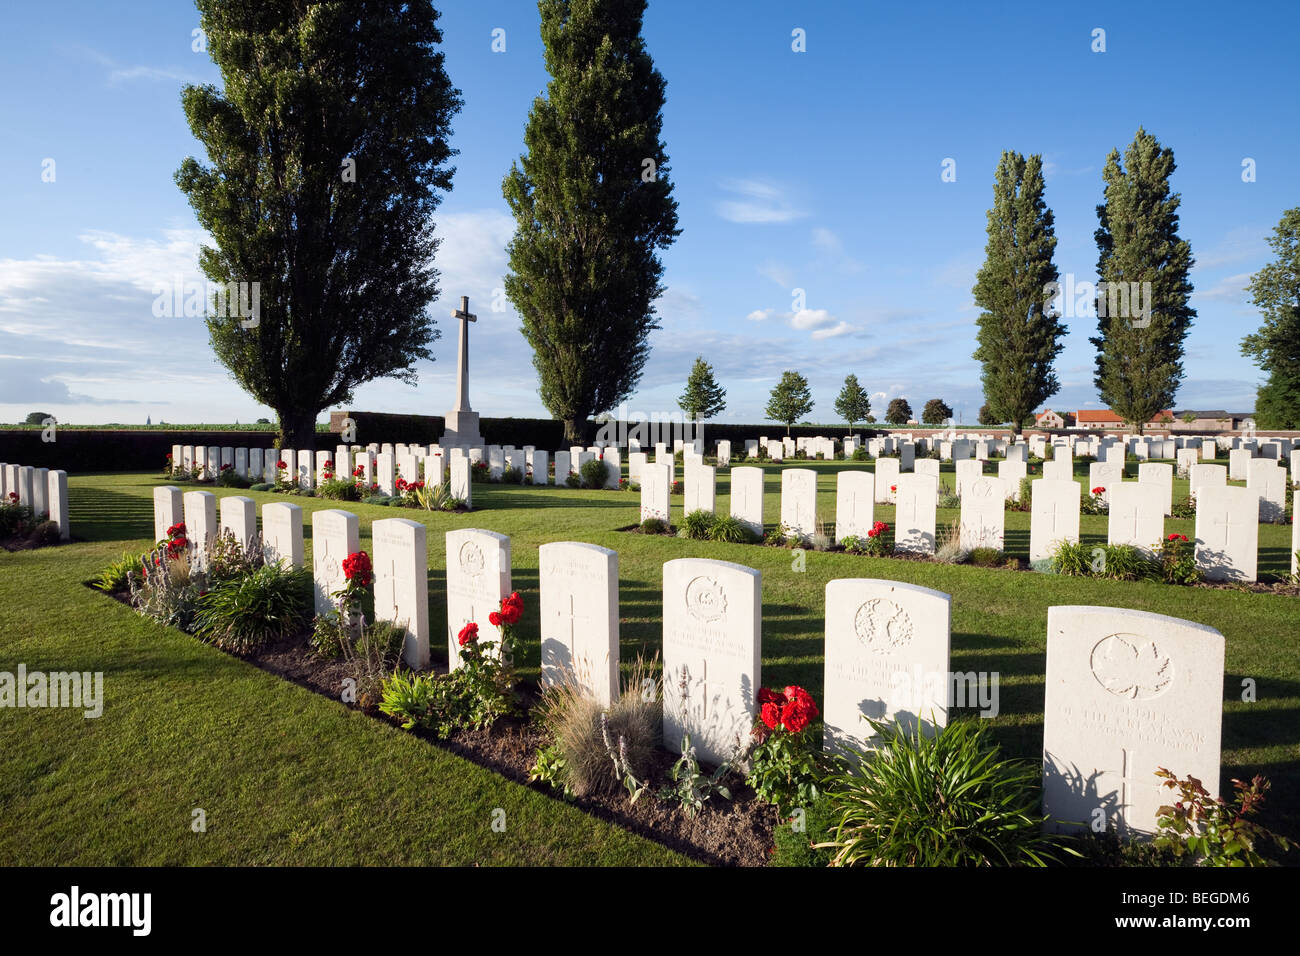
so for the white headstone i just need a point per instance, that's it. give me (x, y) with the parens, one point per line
(282, 533)
(1011, 471)
(967, 471)
(462, 485)
(747, 497)
(563, 467)
(1127, 692)
(886, 658)
(1161, 476)
(168, 509)
(40, 491)
(656, 486)
(478, 578)
(1058, 470)
(886, 479)
(579, 617)
(334, 535)
(983, 513)
(854, 504)
(915, 515)
(1137, 515)
(799, 501)
(1054, 516)
(386, 473)
(239, 517)
(57, 500)
(1268, 479)
(401, 565)
(712, 621)
(1227, 532)
(200, 522)
(1239, 460)
(541, 467)
(1207, 476)
(700, 489)
(613, 459)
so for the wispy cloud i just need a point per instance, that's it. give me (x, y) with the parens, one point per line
(759, 201)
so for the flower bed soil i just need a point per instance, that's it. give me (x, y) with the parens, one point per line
(737, 832)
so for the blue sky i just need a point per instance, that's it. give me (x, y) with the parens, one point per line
(818, 171)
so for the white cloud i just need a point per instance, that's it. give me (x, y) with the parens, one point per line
(760, 202)
(1229, 289)
(843, 328)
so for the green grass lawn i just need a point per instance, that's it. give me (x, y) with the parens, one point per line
(287, 776)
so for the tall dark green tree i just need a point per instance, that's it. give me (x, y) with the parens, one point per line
(703, 397)
(899, 412)
(1275, 290)
(936, 412)
(853, 404)
(1019, 334)
(326, 147)
(1140, 354)
(791, 399)
(593, 206)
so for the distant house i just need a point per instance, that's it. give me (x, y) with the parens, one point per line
(1209, 420)
(1105, 419)
(1053, 419)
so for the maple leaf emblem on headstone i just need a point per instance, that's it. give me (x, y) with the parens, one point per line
(1129, 666)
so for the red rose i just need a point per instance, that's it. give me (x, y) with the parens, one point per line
(767, 696)
(280, 464)
(494, 619)
(1098, 490)
(771, 715)
(357, 569)
(893, 487)
(468, 634)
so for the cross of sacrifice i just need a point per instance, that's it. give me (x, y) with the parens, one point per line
(462, 364)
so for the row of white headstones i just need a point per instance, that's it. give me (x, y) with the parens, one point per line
(42, 490)
(1227, 517)
(1127, 691)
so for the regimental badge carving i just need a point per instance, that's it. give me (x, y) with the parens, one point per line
(982, 488)
(705, 600)
(1131, 666)
(883, 626)
(471, 558)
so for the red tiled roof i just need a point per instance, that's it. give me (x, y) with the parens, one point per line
(1105, 415)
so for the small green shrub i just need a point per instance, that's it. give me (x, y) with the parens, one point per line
(116, 578)
(1123, 562)
(1072, 558)
(1176, 559)
(339, 489)
(594, 473)
(377, 500)
(512, 476)
(241, 614)
(698, 524)
(731, 530)
(1184, 508)
(938, 799)
(986, 557)
(15, 519)
(167, 589)
(573, 480)
(654, 526)
(1215, 832)
(262, 486)
(229, 478)
(948, 500)
(689, 787)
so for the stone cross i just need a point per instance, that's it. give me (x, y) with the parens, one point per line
(462, 364)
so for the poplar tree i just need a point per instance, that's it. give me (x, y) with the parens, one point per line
(791, 399)
(1019, 335)
(593, 206)
(1140, 348)
(326, 146)
(1276, 346)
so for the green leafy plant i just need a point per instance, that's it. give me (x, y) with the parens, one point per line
(512, 476)
(594, 473)
(654, 526)
(167, 589)
(339, 489)
(549, 768)
(1184, 507)
(731, 530)
(689, 787)
(241, 614)
(226, 557)
(1072, 558)
(45, 534)
(408, 697)
(940, 798)
(1123, 562)
(573, 480)
(1215, 832)
(117, 576)
(15, 519)
(698, 525)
